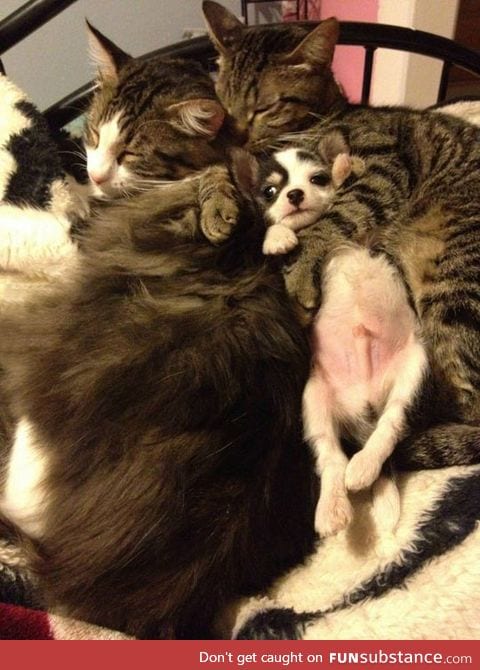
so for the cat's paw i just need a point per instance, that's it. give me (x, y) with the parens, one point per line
(333, 514)
(362, 471)
(302, 287)
(218, 217)
(279, 240)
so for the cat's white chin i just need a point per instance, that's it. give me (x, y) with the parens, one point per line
(106, 191)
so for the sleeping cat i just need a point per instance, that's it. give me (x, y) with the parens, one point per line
(158, 394)
(417, 200)
(273, 81)
(152, 121)
(158, 391)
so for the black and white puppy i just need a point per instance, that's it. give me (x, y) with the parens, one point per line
(296, 187)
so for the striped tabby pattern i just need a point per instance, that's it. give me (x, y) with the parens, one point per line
(418, 202)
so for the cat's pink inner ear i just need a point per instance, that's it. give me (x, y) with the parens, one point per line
(105, 54)
(316, 48)
(224, 28)
(200, 116)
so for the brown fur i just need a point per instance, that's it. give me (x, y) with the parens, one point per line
(269, 80)
(156, 139)
(164, 382)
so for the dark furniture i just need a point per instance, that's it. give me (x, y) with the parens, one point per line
(370, 36)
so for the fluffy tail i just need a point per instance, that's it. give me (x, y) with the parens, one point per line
(438, 447)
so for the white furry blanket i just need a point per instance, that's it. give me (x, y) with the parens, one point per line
(423, 582)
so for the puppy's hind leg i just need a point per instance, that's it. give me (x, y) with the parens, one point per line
(334, 511)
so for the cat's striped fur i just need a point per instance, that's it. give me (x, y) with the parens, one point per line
(153, 121)
(273, 81)
(418, 201)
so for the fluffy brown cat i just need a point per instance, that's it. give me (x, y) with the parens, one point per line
(158, 469)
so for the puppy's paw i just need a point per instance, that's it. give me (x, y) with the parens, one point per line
(362, 470)
(333, 514)
(279, 240)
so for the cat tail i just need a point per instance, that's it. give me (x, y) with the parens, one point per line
(438, 447)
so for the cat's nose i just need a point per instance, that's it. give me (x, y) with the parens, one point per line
(98, 177)
(295, 196)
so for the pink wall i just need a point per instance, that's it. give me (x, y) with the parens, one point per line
(348, 61)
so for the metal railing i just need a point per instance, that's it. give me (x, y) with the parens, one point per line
(28, 18)
(370, 36)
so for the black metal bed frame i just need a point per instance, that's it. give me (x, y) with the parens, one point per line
(371, 36)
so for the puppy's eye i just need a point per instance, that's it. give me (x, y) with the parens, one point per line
(320, 179)
(269, 192)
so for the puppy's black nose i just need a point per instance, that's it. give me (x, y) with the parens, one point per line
(295, 196)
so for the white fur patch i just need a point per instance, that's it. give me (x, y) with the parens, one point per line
(35, 248)
(23, 500)
(367, 353)
(32, 239)
(104, 172)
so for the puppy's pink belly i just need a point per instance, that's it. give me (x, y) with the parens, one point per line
(357, 362)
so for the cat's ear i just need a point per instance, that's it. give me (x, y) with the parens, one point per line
(199, 116)
(246, 172)
(316, 48)
(224, 28)
(330, 146)
(105, 54)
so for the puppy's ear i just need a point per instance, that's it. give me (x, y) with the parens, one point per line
(199, 116)
(341, 169)
(105, 54)
(246, 172)
(224, 28)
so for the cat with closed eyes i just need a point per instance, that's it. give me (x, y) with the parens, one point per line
(155, 121)
(417, 200)
(158, 470)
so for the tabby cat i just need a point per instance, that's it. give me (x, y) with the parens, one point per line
(158, 466)
(153, 121)
(418, 201)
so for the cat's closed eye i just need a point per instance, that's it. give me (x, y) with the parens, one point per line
(125, 154)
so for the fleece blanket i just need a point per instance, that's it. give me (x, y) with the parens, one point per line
(420, 582)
